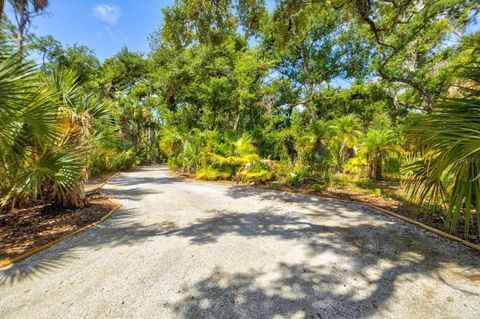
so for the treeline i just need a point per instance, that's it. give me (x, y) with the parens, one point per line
(303, 94)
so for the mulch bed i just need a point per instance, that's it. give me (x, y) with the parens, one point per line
(25, 229)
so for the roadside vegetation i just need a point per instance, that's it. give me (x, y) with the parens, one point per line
(374, 97)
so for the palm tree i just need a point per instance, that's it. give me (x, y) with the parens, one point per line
(48, 125)
(347, 134)
(29, 120)
(312, 145)
(377, 146)
(80, 115)
(244, 146)
(450, 171)
(24, 11)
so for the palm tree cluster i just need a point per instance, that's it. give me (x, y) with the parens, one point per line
(49, 127)
(317, 152)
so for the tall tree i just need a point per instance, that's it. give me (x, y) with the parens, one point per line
(122, 71)
(312, 44)
(410, 39)
(24, 11)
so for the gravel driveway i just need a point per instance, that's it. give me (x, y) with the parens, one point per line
(180, 249)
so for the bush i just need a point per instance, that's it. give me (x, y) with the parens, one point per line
(210, 173)
(393, 165)
(355, 165)
(124, 160)
(257, 173)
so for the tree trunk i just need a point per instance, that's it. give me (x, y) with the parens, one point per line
(237, 121)
(125, 127)
(76, 198)
(346, 153)
(375, 169)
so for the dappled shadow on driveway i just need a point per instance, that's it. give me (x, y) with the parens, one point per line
(298, 291)
(131, 186)
(370, 260)
(120, 230)
(238, 192)
(265, 222)
(130, 178)
(36, 267)
(133, 193)
(141, 181)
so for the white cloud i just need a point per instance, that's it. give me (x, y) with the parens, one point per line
(107, 13)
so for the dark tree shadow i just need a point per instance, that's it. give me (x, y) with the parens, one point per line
(129, 178)
(134, 193)
(120, 229)
(36, 267)
(237, 192)
(125, 180)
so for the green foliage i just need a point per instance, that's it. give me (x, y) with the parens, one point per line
(346, 135)
(121, 71)
(377, 146)
(211, 173)
(449, 171)
(226, 159)
(257, 172)
(76, 57)
(124, 160)
(355, 165)
(48, 135)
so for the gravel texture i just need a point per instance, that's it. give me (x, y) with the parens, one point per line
(180, 249)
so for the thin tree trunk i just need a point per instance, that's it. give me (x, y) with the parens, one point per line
(237, 121)
(125, 127)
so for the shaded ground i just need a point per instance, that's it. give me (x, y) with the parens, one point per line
(25, 229)
(390, 195)
(181, 249)
(97, 182)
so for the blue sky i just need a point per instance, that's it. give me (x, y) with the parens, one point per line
(104, 26)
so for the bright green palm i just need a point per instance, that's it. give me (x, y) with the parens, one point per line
(450, 171)
(29, 121)
(346, 133)
(378, 145)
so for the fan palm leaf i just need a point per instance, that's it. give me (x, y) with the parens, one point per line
(452, 132)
